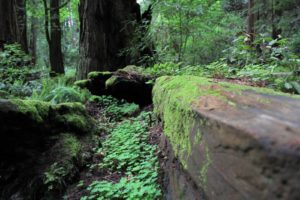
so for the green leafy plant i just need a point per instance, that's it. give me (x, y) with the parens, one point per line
(127, 151)
(56, 90)
(115, 109)
(14, 56)
(54, 177)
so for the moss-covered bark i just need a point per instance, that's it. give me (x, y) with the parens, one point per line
(219, 131)
(41, 147)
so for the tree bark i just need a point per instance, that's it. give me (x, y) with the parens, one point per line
(104, 31)
(251, 21)
(56, 56)
(54, 36)
(22, 23)
(13, 23)
(33, 35)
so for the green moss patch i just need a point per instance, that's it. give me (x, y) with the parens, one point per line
(65, 116)
(172, 102)
(111, 81)
(175, 97)
(73, 117)
(95, 75)
(36, 110)
(83, 83)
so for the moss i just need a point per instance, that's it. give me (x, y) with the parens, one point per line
(69, 107)
(172, 101)
(204, 168)
(132, 68)
(198, 137)
(111, 81)
(74, 116)
(95, 99)
(174, 98)
(76, 121)
(71, 145)
(82, 83)
(36, 110)
(94, 75)
(64, 168)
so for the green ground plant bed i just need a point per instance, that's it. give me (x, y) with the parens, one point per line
(126, 153)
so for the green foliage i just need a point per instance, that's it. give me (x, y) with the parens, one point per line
(262, 51)
(59, 173)
(170, 68)
(265, 60)
(114, 109)
(19, 82)
(54, 177)
(56, 90)
(13, 56)
(193, 32)
(17, 77)
(141, 47)
(295, 43)
(234, 5)
(66, 94)
(127, 151)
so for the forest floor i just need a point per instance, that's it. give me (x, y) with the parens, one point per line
(125, 164)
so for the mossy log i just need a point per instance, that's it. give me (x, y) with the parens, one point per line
(95, 82)
(41, 147)
(231, 141)
(132, 84)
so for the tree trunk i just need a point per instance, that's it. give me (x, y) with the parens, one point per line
(56, 57)
(22, 23)
(33, 35)
(13, 23)
(251, 21)
(276, 13)
(104, 32)
(54, 36)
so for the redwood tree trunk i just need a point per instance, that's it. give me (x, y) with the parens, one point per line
(56, 56)
(13, 22)
(54, 36)
(33, 37)
(22, 23)
(251, 20)
(104, 32)
(33, 34)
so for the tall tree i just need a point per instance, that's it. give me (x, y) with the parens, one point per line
(251, 20)
(13, 22)
(22, 22)
(54, 35)
(33, 33)
(105, 30)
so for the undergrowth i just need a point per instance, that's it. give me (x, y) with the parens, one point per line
(115, 109)
(126, 151)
